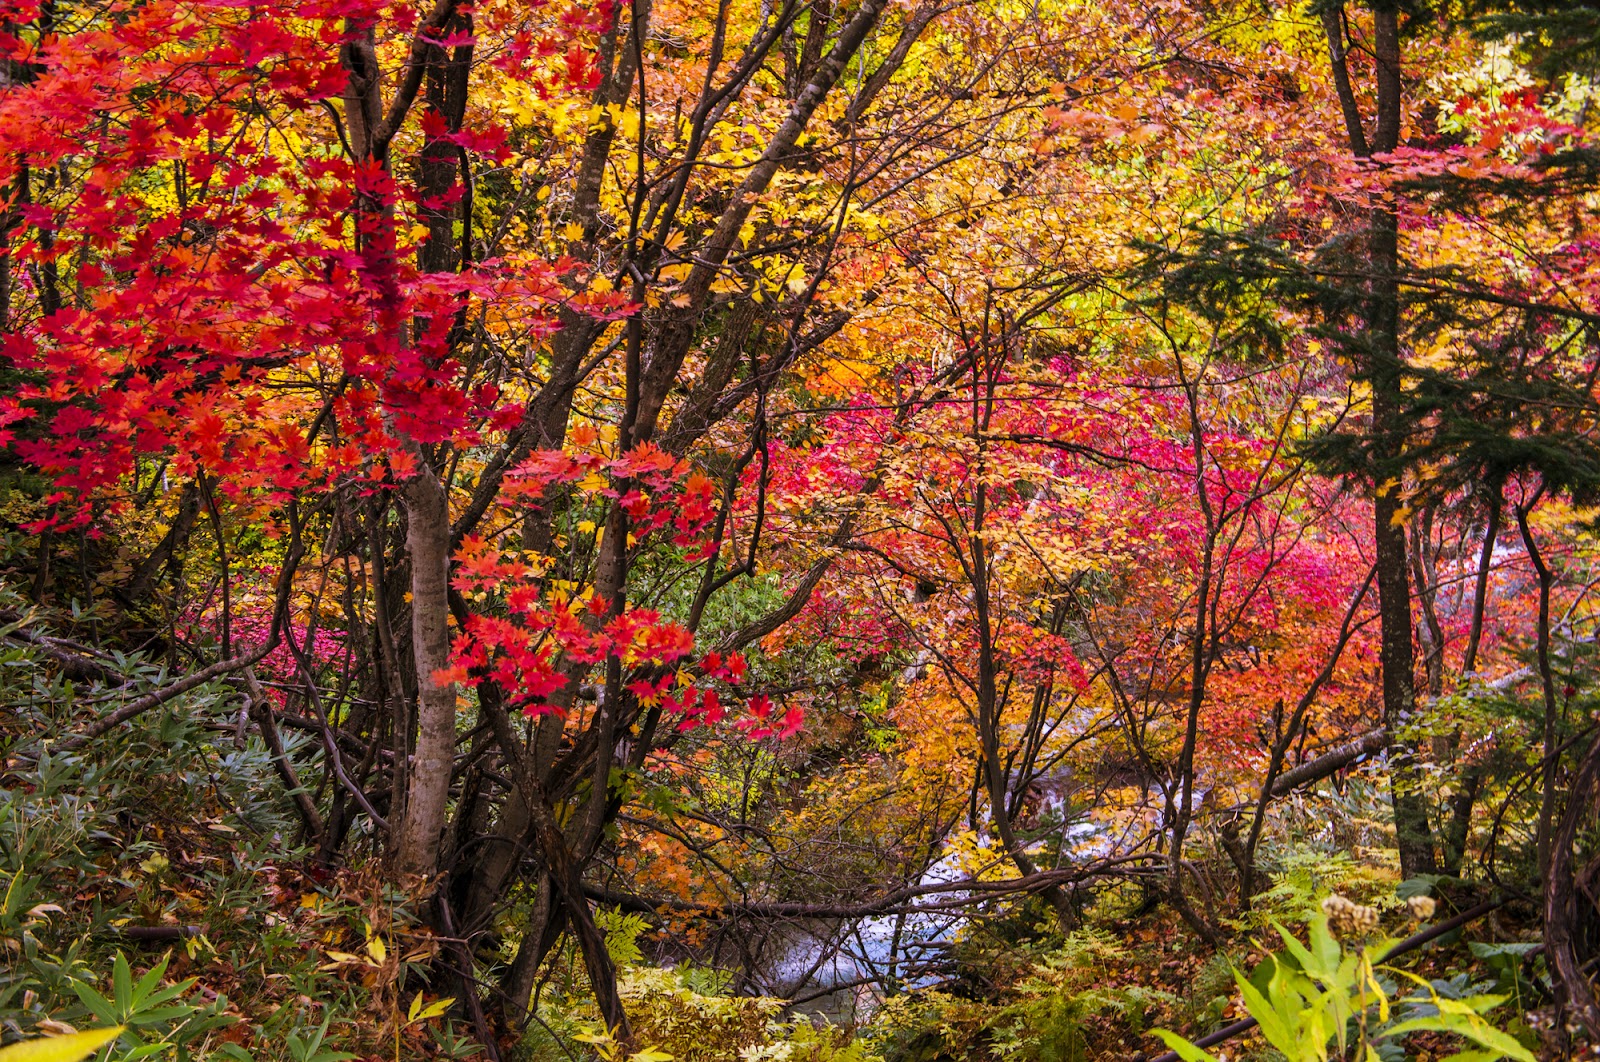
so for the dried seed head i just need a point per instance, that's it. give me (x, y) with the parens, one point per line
(1421, 907)
(1347, 918)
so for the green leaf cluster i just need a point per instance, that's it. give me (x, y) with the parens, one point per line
(1325, 999)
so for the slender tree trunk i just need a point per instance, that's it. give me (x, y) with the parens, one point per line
(1202, 654)
(1459, 827)
(1413, 835)
(539, 936)
(1333, 27)
(1547, 687)
(1181, 808)
(1480, 589)
(371, 125)
(989, 703)
(428, 788)
(1425, 578)
(565, 875)
(1575, 999)
(421, 829)
(1381, 367)
(260, 709)
(1383, 370)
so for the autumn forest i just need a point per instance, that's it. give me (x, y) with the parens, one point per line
(799, 530)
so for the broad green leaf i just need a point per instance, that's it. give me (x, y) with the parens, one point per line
(1483, 1004)
(1469, 1027)
(121, 982)
(1183, 1048)
(1495, 1040)
(1308, 962)
(1421, 885)
(1323, 944)
(1314, 1033)
(1273, 1026)
(102, 1008)
(148, 984)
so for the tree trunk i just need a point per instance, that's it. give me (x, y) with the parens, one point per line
(1413, 835)
(1575, 999)
(428, 777)
(1547, 687)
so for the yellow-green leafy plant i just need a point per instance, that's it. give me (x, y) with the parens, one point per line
(1329, 998)
(68, 1048)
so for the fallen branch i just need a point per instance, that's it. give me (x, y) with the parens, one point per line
(78, 662)
(898, 901)
(162, 696)
(1329, 762)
